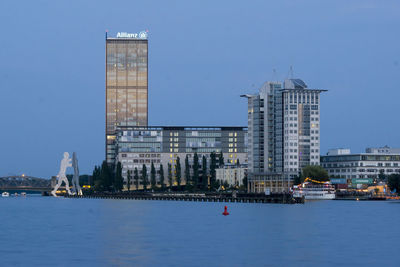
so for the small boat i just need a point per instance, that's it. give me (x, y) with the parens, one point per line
(5, 194)
(23, 194)
(16, 194)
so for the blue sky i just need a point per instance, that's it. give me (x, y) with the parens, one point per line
(202, 56)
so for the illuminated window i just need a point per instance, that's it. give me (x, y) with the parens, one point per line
(235, 134)
(230, 134)
(230, 150)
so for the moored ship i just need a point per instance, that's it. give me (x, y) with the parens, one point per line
(315, 191)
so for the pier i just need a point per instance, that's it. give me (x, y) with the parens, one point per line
(278, 198)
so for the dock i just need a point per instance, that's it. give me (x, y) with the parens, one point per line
(278, 198)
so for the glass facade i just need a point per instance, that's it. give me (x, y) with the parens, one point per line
(126, 87)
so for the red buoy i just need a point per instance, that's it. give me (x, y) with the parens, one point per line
(225, 211)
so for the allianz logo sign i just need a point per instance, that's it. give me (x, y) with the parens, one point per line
(140, 35)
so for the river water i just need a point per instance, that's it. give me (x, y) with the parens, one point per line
(51, 231)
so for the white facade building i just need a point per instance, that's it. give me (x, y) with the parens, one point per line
(372, 164)
(283, 133)
(231, 174)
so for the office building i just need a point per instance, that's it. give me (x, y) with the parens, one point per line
(283, 133)
(126, 85)
(375, 162)
(138, 145)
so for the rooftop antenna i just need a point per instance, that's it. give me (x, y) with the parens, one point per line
(274, 75)
(291, 72)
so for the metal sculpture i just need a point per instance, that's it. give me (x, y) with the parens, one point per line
(76, 188)
(61, 177)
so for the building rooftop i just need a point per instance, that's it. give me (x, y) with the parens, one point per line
(185, 128)
(295, 84)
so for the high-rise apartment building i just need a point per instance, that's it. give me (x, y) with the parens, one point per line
(126, 85)
(283, 133)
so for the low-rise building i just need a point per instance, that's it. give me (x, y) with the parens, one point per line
(136, 146)
(375, 162)
(231, 174)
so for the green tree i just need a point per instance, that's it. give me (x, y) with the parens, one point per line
(213, 165)
(96, 181)
(314, 172)
(204, 177)
(153, 177)
(105, 177)
(128, 180)
(187, 170)
(144, 176)
(195, 178)
(136, 178)
(118, 179)
(162, 182)
(394, 182)
(178, 171)
(170, 175)
(220, 159)
(381, 175)
(226, 185)
(245, 179)
(84, 179)
(297, 180)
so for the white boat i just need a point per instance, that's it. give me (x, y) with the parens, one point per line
(315, 191)
(5, 194)
(23, 194)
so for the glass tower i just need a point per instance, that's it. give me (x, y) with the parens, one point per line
(126, 85)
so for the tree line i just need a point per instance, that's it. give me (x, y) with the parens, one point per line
(199, 176)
